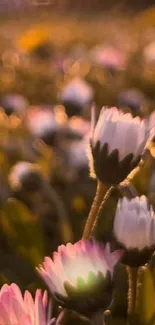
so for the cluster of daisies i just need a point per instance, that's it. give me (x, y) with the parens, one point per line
(80, 275)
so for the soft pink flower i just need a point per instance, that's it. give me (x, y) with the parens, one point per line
(75, 261)
(77, 91)
(40, 121)
(79, 125)
(77, 153)
(18, 310)
(108, 57)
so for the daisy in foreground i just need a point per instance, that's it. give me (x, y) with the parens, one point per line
(81, 271)
(117, 143)
(18, 310)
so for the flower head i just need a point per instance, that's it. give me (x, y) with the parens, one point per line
(77, 154)
(76, 95)
(79, 125)
(33, 38)
(18, 310)
(79, 265)
(134, 224)
(117, 142)
(25, 175)
(132, 99)
(42, 123)
(14, 104)
(40, 120)
(108, 57)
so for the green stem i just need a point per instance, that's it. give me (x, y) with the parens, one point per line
(100, 193)
(132, 277)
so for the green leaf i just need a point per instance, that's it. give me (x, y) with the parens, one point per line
(145, 298)
(22, 230)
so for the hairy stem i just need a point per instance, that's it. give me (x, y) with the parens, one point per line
(100, 193)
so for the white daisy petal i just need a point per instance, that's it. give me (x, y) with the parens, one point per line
(134, 224)
(120, 131)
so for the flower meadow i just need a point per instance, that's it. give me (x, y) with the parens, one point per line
(77, 173)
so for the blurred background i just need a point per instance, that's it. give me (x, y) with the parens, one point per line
(57, 58)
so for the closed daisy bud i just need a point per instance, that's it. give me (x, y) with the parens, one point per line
(16, 309)
(25, 176)
(131, 99)
(77, 154)
(14, 104)
(77, 129)
(42, 124)
(110, 58)
(79, 125)
(76, 95)
(134, 229)
(80, 275)
(117, 143)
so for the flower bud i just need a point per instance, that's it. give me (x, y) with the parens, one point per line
(77, 154)
(14, 104)
(134, 229)
(25, 176)
(131, 99)
(116, 144)
(76, 95)
(109, 57)
(42, 124)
